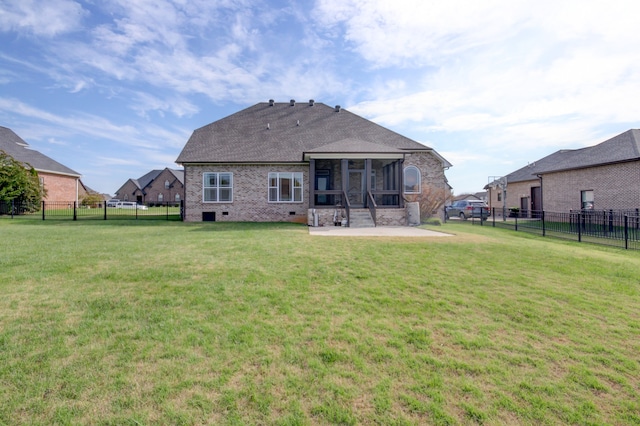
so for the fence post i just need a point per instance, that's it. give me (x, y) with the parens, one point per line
(167, 210)
(580, 227)
(516, 222)
(42, 209)
(493, 216)
(13, 206)
(626, 232)
(105, 210)
(182, 212)
(544, 229)
(75, 211)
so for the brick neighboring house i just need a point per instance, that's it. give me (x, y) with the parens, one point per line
(61, 183)
(157, 186)
(481, 196)
(302, 162)
(84, 191)
(601, 177)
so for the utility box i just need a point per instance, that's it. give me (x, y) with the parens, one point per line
(413, 213)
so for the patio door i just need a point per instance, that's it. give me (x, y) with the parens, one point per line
(536, 202)
(356, 188)
(524, 206)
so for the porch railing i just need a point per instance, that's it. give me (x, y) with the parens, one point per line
(371, 203)
(347, 207)
(332, 198)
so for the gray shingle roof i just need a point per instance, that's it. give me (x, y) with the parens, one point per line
(16, 147)
(621, 148)
(142, 182)
(283, 133)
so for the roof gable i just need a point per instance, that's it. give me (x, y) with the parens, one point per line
(282, 132)
(17, 148)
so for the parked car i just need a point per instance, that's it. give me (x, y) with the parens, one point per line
(465, 209)
(112, 202)
(130, 205)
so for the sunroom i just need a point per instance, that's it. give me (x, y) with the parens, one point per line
(372, 183)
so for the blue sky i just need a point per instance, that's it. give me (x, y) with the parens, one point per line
(114, 88)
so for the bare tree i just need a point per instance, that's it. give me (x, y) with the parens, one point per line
(431, 200)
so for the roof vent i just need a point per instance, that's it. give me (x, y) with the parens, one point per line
(337, 108)
(271, 102)
(268, 126)
(297, 122)
(311, 102)
(292, 102)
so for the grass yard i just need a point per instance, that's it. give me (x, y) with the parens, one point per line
(141, 323)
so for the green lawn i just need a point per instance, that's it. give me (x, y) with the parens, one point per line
(154, 322)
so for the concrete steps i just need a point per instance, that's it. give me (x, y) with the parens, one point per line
(361, 218)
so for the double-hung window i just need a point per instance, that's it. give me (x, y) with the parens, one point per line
(586, 198)
(285, 187)
(217, 187)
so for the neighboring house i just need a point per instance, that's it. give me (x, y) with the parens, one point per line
(84, 191)
(482, 196)
(60, 182)
(157, 186)
(303, 162)
(602, 177)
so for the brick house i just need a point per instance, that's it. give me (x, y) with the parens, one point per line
(601, 177)
(61, 183)
(157, 186)
(303, 162)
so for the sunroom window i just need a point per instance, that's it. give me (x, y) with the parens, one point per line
(217, 187)
(285, 187)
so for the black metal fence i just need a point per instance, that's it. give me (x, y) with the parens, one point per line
(52, 210)
(619, 228)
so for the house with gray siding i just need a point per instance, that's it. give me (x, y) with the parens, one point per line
(303, 162)
(605, 176)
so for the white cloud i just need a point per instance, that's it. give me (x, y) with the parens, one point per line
(148, 136)
(41, 17)
(179, 106)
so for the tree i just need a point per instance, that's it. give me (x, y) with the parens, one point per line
(431, 200)
(19, 182)
(92, 199)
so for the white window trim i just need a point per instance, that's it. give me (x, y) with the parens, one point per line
(293, 179)
(404, 175)
(204, 174)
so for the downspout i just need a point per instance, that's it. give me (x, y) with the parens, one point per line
(445, 193)
(541, 193)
